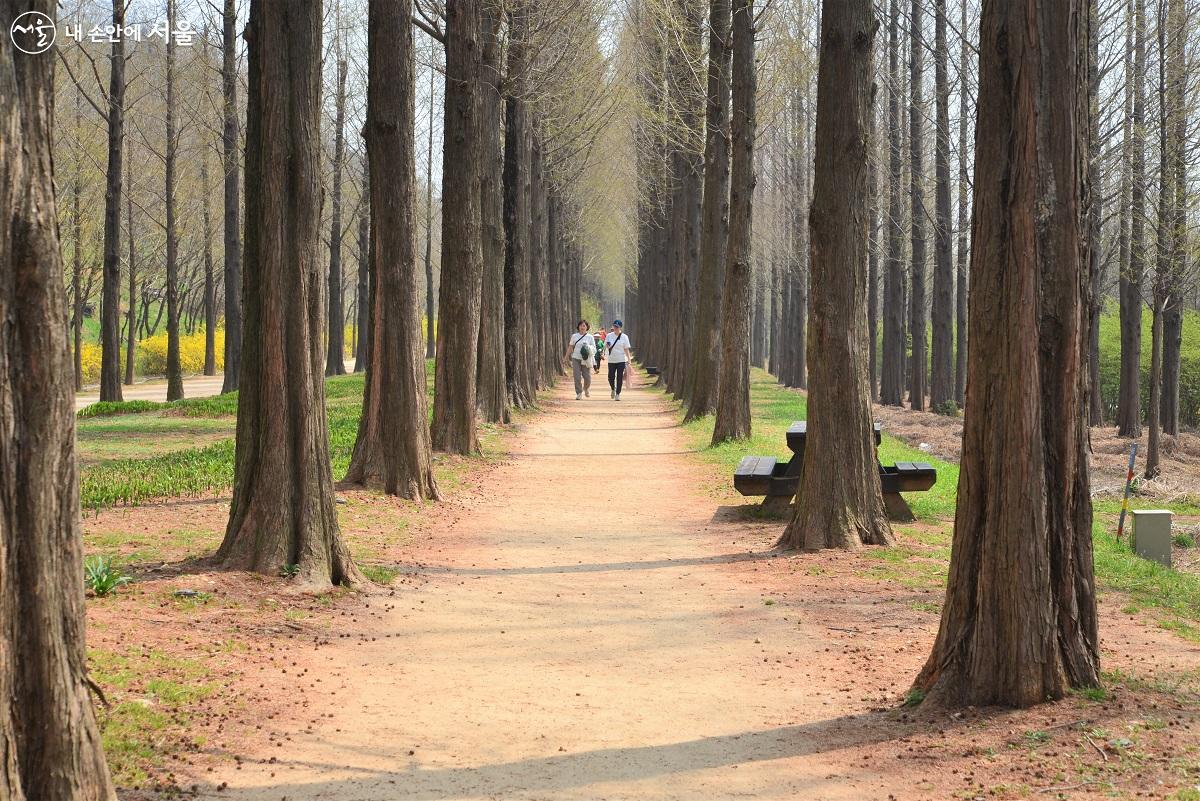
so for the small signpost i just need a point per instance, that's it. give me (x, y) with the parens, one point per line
(1128, 483)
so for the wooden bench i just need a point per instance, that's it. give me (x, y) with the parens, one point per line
(776, 482)
(653, 370)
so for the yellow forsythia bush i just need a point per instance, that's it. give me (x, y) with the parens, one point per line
(89, 357)
(152, 353)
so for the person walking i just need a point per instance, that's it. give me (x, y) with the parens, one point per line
(620, 353)
(600, 335)
(580, 352)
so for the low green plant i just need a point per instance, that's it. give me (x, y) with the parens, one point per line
(289, 571)
(914, 697)
(102, 576)
(1092, 693)
(948, 408)
(380, 574)
(110, 408)
(1184, 540)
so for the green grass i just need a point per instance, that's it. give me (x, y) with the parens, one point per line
(380, 574)
(1169, 597)
(773, 408)
(122, 467)
(146, 719)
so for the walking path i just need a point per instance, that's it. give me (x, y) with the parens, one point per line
(580, 636)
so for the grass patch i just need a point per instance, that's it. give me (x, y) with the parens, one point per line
(152, 696)
(196, 471)
(773, 408)
(380, 574)
(1173, 596)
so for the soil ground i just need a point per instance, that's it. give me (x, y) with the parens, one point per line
(580, 622)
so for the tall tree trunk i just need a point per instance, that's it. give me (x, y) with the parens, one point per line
(891, 377)
(174, 369)
(335, 356)
(941, 384)
(48, 732)
(130, 334)
(518, 324)
(1177, 171)
(873, 248)
(210, 286)
(392, 450)
(430, 295)
(363, 297)
(283, 510)
(963, 223)
(454, 427)
(491, 391)
(916, 196)
(1019, 621)
(230, 148)
(1129, 406)
(110, 301)
(840, 500)
(733, 394)
(1095, 215)
(715, 213)
(77, 250)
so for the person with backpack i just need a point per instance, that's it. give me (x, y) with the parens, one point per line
(600, 335)
(581, 351)
(620, 353)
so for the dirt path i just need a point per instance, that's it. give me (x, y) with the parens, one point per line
(576, 639)
(194, 386)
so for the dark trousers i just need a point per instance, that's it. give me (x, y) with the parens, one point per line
(616, 375)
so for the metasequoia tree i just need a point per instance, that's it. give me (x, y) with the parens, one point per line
(392, 450)
(491, 390)
(363, 287)
(454, 426)
(1019, 621)
(170, 158)
(48, 731)
(715, 212)
(283, 510)
(963, 244)
(733, 394)
(335, 358)
(916, 196)
(231, 221)
(891, 378)
(110, 304)
(941, 382)
(1129, 405)
(840, 501)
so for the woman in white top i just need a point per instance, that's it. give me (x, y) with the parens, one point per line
(580, 352)
(620, 353)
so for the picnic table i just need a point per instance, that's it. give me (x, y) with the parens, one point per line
(777, 481)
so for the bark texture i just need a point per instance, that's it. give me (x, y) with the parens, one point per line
(454, 427)
(733, 396)
(335, 355)
(49, 741)
(174, 368)
(110, 301)
(941, 382)
(392, 451)
(714, 214)
(1019, 622)
(891, 378)
(839, 501)
(283, 510)
(230, 144)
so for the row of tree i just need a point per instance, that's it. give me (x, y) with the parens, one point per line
(1142, 226)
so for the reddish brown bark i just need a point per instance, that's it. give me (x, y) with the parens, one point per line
(1019, 622)
(49, 742)
(392, 451)
(283, 510)
(839, 501)
(733, 395)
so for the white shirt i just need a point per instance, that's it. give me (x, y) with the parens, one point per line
(577, 343)
(617, 347)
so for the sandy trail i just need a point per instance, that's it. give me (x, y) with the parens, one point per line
(580, 637)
